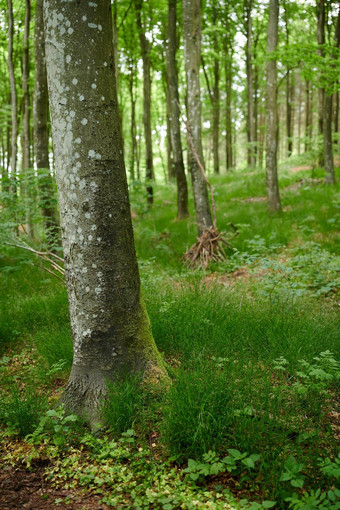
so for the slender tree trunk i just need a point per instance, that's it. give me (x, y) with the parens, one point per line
(336, 117)
(308, 116)
(171, 174)
(192, 56)
(250, 86)
(110, 327)
(328, 148)
(28, 184)
(273, 196)
(300, 117)
(14, 136)
(321, 91)
(133, 122)
(216, 96)
(229, 129)
(174, 117)
(145, 50)
(41, 134)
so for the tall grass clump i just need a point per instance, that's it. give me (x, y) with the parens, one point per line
(124, 402)
(197, 412)
(54, 345)
(22, 409)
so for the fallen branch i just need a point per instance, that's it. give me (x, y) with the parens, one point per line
(56, 269)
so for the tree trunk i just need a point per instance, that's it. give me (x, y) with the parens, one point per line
(40, 124)
(145, 51)
(174, 114)
(133, 155)
(13, 101)
(250, 87)
(216, 97)
(328, 148)
(336, 117)
(110, 327)
(321, 91)
(308, 116)
(192, 56)
(28, 185)
(273, 196)
(229, 141)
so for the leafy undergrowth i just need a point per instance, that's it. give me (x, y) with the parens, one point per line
(252, 346)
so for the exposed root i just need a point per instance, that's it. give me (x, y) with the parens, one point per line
(208, 248)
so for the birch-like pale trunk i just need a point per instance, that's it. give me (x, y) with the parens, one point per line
(174, 114)
(192, 57)
(272, 185)
(110, 327)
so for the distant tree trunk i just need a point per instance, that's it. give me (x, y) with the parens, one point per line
(28, 186)
(289, 93)
(40, 123)
(216, 96)
(229, 127)
(133, 99)
(321, 91)
(192, 55)
(145, 51)
(328, 148)
(110, 327)
(14, 136)
(273, 196)
(171, 174)
(256, 101)
(174, 114)
(308, 116)
(336, 116)
(250, 86)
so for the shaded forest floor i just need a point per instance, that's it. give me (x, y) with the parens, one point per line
(251, 344)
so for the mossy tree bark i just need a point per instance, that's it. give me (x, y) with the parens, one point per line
(110, 326)
(192, 57)
(273, 196)
(174, 113)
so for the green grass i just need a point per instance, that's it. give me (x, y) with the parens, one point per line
(241, 357)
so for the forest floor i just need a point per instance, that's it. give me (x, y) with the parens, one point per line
(251, 344)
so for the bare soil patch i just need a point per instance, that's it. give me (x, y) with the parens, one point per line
(29, 490)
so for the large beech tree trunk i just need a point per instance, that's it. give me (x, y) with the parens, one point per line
(145, 51)
(110, 327)
(174, 114)
(192, 56)
(41, 135)
(273, 196)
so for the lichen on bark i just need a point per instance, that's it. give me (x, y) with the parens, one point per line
(110, 328)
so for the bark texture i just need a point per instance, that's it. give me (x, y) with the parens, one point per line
(110, 326)
(41, 134)
(273, 196)
(174, 114)
(192, 55)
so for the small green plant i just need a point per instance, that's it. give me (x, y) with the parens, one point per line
(317, 499)
(55, 426)
(212, 465)
(292, 472)
(330, 468)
